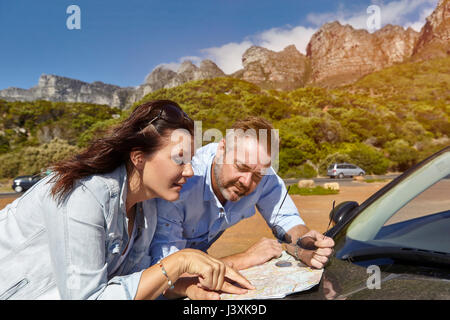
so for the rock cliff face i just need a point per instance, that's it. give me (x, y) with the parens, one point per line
(56, 88)
(287, 69)
(434, 38)
(340, 54)
(162, 77)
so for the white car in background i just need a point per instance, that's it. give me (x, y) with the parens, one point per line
(341, 170)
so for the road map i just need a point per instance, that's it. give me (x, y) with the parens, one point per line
(272, 281)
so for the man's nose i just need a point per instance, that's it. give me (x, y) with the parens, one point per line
(246, 179)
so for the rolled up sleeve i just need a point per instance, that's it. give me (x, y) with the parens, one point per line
(120, 288)
(270, 205)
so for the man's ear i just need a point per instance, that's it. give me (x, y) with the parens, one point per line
(222, 146)
(138, 159)
(220, 152)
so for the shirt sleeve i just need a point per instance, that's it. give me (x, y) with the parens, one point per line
(274, 191)
(77, 248)
(168, 236)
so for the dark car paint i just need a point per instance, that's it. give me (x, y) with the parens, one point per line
(26, 182)
(344, 278)
(347, 280)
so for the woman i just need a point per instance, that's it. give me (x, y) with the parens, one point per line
(84, 231)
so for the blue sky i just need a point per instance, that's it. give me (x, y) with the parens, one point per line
(120, 41)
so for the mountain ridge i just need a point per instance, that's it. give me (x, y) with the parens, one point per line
(336, 55)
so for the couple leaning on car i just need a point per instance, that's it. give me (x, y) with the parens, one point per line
(131, 216)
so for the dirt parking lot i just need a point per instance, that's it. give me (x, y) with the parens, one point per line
(314, 210)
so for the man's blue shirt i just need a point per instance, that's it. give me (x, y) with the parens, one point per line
(198, 218)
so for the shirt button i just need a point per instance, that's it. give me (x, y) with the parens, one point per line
(115, 247)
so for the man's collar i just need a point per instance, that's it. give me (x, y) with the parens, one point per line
(208, 192)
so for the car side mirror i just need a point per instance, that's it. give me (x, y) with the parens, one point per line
(342, 210)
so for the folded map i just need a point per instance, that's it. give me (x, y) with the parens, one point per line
(277, 278)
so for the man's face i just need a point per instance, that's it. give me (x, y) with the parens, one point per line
(239, 169)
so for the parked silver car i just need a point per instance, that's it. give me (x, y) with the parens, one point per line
(341, 170)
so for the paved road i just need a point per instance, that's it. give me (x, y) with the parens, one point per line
(10, 195)
(345, 181)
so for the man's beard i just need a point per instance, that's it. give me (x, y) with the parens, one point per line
(222, 186)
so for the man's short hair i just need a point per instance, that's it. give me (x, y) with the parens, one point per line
(258, 126)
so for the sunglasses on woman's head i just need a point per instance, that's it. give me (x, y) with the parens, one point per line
(172, 114)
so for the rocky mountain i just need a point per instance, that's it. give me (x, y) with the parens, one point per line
(434, 38)
(341, 54)
(163, 77)
(286, 70)
(56, 88)
(336, 55)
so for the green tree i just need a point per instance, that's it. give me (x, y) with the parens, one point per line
(402, 155)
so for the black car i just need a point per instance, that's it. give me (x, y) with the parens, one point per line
(23, 183)
(396, 244)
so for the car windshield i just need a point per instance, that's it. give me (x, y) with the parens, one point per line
(413, 214)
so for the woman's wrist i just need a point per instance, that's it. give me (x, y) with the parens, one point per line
(182, 286)
(172, 267)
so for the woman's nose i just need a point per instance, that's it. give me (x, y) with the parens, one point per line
(188, 171)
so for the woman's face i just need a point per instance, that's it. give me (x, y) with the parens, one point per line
(165, 171)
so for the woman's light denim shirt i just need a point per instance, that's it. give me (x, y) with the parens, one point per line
(72, 247)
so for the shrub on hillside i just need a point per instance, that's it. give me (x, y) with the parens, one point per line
(9, 165)
(304, 171)
(402, 155)
(32, 160)
(368, 158)
(4, 144)
(95, 131)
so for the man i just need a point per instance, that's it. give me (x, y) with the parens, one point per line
(231, 178)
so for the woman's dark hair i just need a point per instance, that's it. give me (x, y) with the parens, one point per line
(142, 131)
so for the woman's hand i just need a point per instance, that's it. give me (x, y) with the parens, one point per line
(208, 276)
(211, 272)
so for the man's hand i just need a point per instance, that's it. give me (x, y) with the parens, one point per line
(320, 248)
(262, 251)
